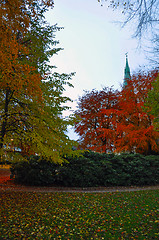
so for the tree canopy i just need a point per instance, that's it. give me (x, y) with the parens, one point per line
(31, 93)
(92, 122)
(110, 120)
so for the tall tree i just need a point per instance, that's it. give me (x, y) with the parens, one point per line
(95, 128)
(135, 131)
(31, 95)
(117, 121)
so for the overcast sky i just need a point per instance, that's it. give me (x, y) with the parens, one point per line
(94, 46)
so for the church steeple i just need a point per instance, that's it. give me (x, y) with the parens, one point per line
(127, 75)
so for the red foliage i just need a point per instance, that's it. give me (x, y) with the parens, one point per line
(135, 131)
(96, 128)
(117, 121)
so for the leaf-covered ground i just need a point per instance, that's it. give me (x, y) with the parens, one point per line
(129, 215)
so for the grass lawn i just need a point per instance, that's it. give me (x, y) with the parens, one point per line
(127, 215)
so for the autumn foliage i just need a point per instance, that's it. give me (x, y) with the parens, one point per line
(16, 72)
(31, 93)
(117, 120)
(94, 126)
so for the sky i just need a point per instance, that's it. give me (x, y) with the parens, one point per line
(94, 47)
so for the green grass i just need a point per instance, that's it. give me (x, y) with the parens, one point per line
(128, 215)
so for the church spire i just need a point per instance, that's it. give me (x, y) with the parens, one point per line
(127, 75)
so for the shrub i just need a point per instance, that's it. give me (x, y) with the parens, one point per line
(34, 171)
(79, 172)
(89, 170)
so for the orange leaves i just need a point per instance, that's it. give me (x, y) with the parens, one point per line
(117, 119)
(135, 130)
(95, 125)
(32, 100)
(14, 16)
(15, 73)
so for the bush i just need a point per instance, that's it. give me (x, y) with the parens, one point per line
(34, 171)
(90, 170)
(80, 172)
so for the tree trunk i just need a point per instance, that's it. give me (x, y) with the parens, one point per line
(5, 118)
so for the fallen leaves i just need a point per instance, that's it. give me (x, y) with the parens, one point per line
(131, 215)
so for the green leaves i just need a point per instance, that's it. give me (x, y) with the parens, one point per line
(153, 102)
(32, 99)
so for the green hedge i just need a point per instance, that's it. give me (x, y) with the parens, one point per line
(33, 172)
(90, 170)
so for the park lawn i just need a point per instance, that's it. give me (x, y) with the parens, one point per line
(119, 215)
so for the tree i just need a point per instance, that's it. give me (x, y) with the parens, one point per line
(153, 102)
(117, 121)
(135, 131)
(143, 12)
(14, 71)
(144, 15)
(31, 95)
(95, 128)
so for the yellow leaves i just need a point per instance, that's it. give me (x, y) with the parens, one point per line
(32, 116)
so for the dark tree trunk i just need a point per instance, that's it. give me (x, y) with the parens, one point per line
(5, 118)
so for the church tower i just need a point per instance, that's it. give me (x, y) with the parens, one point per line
(127, 75)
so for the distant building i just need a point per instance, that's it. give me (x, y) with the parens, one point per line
(127, 75)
